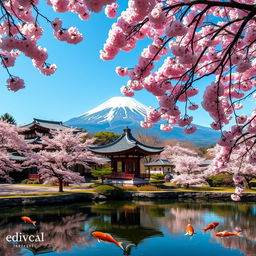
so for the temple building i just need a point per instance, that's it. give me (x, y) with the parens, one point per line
(125, 155)
(32, 133)
(160, 166)
(42, 127)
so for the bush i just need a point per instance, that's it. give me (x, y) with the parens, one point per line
(95, 183)
(157, 182)
(25, 181)
(109, 191)
(28, 181)
(219, 180)
(157, 176)
(148, 188)
(130, 188)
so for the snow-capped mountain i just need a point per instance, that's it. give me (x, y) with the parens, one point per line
(119, 112)
(115, 112)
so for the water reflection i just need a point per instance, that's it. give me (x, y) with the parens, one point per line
(69, 228)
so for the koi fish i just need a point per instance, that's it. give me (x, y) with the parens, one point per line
(211, 226)
(28, 220)
(189, 230)
(227, 234)
(100, 236)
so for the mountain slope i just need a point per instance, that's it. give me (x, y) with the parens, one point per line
(118, 112)
(113, 112)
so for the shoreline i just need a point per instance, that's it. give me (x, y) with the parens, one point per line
(77, 197)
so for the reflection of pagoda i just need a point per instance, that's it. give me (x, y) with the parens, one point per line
(129, 224)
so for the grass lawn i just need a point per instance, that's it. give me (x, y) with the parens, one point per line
(38, 185)
(213, 189)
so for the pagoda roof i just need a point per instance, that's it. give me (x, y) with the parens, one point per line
(160, 162)
(126, 142)
(52, 125)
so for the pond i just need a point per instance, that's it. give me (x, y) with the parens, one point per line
(144, 228)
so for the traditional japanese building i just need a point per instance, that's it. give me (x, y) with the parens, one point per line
(32, 133)
(42, 127)
(125, 154)
(160, 166)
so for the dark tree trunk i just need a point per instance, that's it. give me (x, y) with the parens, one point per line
(60, 185)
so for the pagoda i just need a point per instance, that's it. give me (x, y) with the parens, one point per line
(42, 127)
(125, 154)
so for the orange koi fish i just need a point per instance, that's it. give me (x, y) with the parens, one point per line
(211, 226)
(28, 220)
(189, 230)
(227, 234)
(106, 238)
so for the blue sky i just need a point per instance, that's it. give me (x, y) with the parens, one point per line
(82, 80)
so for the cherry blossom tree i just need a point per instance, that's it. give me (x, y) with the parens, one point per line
(10, 142)
(187, 165)
(212, 39)
(20, 31)
(59, 153)
(170, 152)
(240, 166)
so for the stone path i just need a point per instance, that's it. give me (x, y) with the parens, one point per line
(13, 189)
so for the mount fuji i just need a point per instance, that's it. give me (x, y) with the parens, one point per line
(119, 112)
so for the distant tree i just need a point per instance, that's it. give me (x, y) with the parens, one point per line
(101, 173)
(204, 151)
(144, 137)
(186, 161)
(151, 140)
(241, 166)
(8, 118)
(102, 138)
(170, 152)
(59, 153)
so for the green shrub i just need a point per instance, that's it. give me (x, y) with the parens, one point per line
(220, 180)
(157, 182)
(28, 181)
(129, 188)
(25, 181)
(109, 191)
(157, 176)
(95, 183)
(148, 188)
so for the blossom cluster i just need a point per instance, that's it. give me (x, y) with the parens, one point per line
(20, 30)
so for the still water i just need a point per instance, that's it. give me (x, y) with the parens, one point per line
(153, 229)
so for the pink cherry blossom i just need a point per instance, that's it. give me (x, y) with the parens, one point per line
(111, 11)
(64, 150)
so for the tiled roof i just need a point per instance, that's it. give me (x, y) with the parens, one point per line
(52, 125)
(125, 142)
(160, 162)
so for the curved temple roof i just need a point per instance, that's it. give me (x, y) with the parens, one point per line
(160, 162)
(54, 125)
(124, 143)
